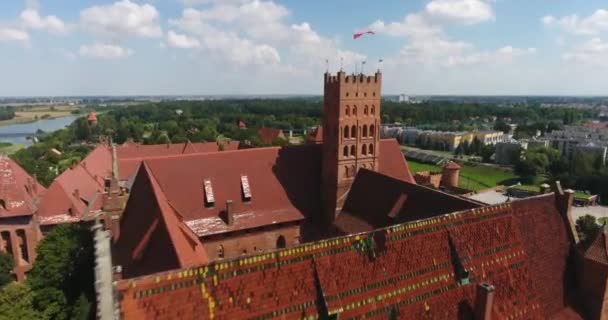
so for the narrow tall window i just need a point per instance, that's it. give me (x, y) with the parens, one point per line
(364, 131)
(347, 110)
(353, 151)
(353, 131)
(220, 251)
(372, 131)
(346, 132)
(365, 110)
(22, 241)
(373, 109)
(371, 149)
(364, 149)
(281, 242)
(345, 153)
(354, 110)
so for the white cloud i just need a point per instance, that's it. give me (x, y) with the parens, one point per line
(122, 18)
(104, 51)
(181, 41)
(413, 25)
(460, 11)
(31, 19)
(593, 52)
(591, 25)
(255, 32)
(8, 34)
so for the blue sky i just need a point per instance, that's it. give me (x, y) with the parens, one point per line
(130, 47)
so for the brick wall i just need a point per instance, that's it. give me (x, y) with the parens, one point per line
(20, 236)
(233, 246)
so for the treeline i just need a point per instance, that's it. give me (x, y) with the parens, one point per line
(7, 113)
(446, 113)
(585, 171)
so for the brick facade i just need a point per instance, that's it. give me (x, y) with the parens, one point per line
(271, 238)
(19, 237)
(351, 134)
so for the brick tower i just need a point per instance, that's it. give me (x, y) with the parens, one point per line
(351, 139)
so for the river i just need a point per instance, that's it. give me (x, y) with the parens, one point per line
(18, 133)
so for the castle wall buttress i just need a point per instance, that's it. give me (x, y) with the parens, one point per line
(351, 134)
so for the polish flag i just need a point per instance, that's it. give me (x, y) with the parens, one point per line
(359, 34)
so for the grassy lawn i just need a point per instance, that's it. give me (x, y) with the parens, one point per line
(473, 177)
(7, 148)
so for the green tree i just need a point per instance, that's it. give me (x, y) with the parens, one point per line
(16, 303)
(6, 267)
(63, 272)
(586, 227)
(500, 125)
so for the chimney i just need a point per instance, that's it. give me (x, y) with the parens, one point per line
(229, 213)
(545, 188)
(483, 301)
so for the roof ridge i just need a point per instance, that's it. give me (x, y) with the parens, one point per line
(167, 217)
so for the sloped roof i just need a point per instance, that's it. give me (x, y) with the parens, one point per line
(268, 135)
(19, 192)
(598, 248)
(316, 136)
(160, 233)
(410, 270)
(135, 150)
(284, 183)
(376, 200)
(87, 177)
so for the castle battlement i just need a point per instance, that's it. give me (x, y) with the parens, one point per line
(360, 78)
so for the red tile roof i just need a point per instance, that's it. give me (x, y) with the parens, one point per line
(268, 135)
(316, 136)
(284, 183)
(376, 200)
(19, 192)
(598, 248)
(160, 232)
(134, 150)
(413, 270)
(87, 177)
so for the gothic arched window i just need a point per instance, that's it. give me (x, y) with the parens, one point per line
(364, 135)
(345, 153)
(353, 132)
(372, 131)
(353, 151)
(346, 132)
(371, 149)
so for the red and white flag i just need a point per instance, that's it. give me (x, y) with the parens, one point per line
(357, 35)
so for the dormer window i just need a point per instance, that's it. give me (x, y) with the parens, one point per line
(209, 197)
(246, 188)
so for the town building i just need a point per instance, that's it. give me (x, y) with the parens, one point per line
(508, 261)
(507, 152)
(489, 137)
(244, 202)
(580, 139)
(341, 234)
(19, 231)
